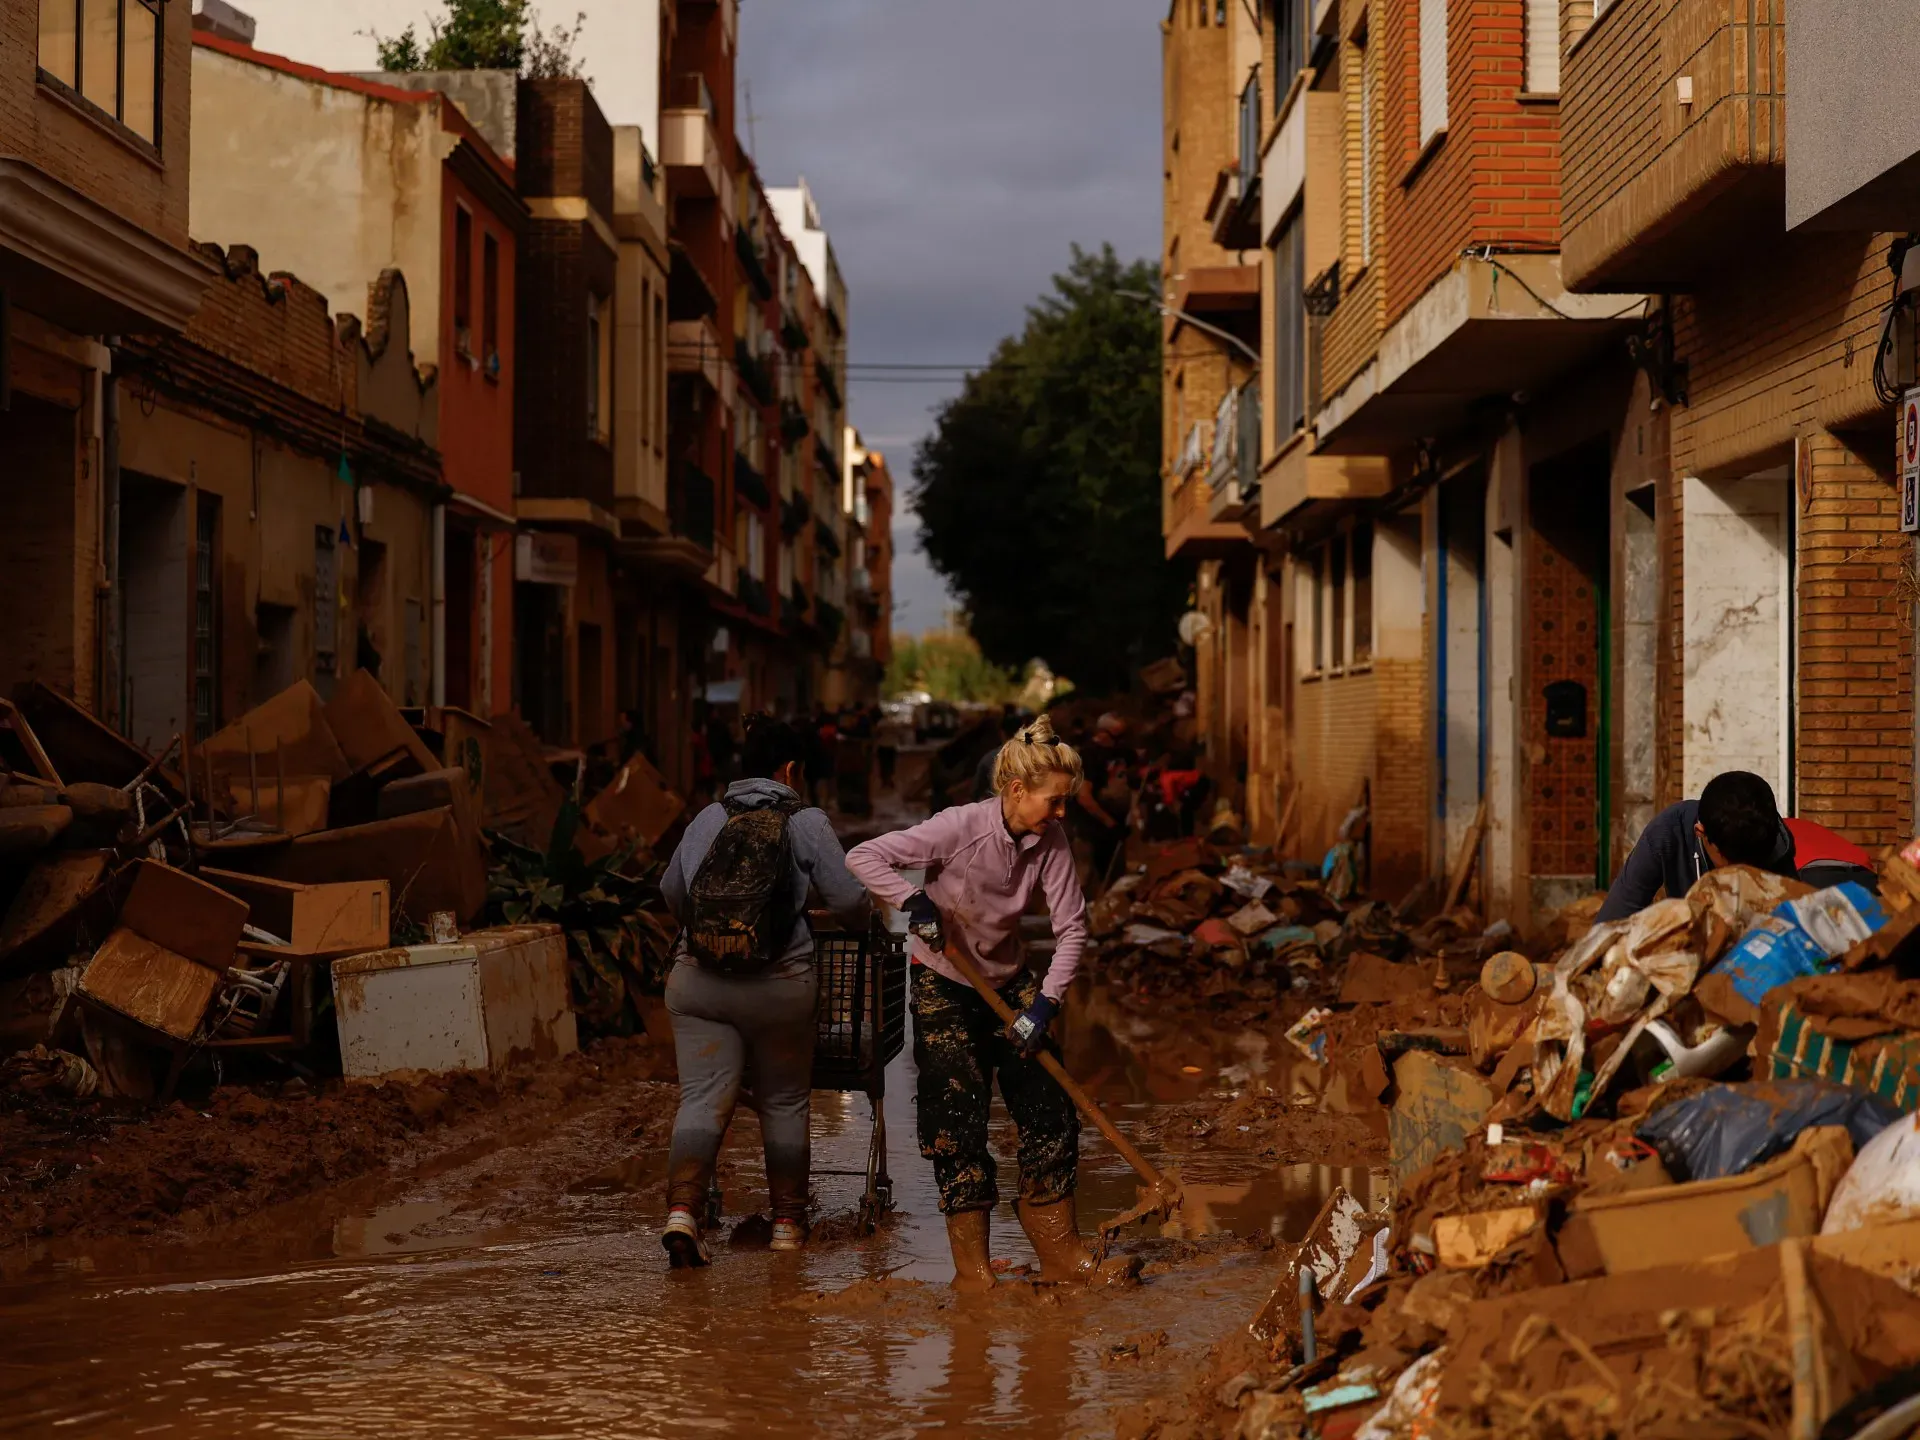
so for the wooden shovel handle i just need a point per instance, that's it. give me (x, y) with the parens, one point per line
(1082, 1101)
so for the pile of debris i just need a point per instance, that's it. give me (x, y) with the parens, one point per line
(322, 887)
(1247, 934)
(1659, 1176)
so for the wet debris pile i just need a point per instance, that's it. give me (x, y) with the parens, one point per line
(1654, 1177)
(324, 887)
(1238, 930)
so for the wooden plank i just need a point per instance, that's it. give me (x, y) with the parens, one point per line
(1469, 855)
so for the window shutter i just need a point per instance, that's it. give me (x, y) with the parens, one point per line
(1543, 47)
(1433, 68)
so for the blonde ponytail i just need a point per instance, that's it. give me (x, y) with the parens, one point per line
(1034, 753)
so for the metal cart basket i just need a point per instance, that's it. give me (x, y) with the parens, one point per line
(862, 1026)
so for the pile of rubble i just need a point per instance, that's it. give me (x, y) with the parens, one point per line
(1658, 1176)
(322, 887)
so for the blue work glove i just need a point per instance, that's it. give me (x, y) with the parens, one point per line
(1029, 1030)
(923, 919)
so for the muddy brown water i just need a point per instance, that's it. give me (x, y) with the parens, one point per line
(518, 1289)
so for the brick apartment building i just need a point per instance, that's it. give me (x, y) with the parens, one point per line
(1576, 485)
(93, 245)
(1211, 343)
(340, 178)
(870, 570)
(278, 480)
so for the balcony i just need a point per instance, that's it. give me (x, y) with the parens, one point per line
(794, 425)
(1233, 475)
(1234, 211)
(748, 483)
(823, 376)
(690, 139)
(752, 268)
(754, 373)
(1492, 325)
(1673, 141)
(1191, 531)
(693, 348)
(689, 546)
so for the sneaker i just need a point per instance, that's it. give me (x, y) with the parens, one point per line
(787, 1235)
(682, 1241)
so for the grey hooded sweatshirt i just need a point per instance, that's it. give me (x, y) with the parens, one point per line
(817, 859)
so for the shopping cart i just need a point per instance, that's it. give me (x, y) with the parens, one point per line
(862, 1026)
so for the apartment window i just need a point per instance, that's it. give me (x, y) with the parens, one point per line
(1362, 594)
(1543, 45)
(1289, 328)
(490, 306)
(1369, 174)
(1289, 46)
(1219, 12)
(659, 387)
(108, 52)
(1433, 68)
(463, 280)
(1337, 598)
(1319, 591)
(599, 369)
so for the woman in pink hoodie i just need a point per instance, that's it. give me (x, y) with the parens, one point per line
(982, 863)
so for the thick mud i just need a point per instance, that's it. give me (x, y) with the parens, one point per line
(502, 1277)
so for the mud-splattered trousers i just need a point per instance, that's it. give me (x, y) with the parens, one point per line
(724, 1028)
(959, 1045)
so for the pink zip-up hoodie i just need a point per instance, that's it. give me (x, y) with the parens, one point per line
(982, 877)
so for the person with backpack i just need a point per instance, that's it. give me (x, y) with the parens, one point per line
(742, 993)
(983, 862)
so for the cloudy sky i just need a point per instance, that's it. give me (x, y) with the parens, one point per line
(956, 148)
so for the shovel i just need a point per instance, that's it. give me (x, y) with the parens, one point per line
(1163, 1196)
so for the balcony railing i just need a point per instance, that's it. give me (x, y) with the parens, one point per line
(794, 425)
(823, 376)
(1250, 138)
(753, 372)
(748, 483)
(692, 505)
(824, 537)
(690, 92)
(794, 515)
(747, 246)
(753, 595)
(823, 452)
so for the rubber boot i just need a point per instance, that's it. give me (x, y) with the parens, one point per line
(967, 1232)
(1054, 1231)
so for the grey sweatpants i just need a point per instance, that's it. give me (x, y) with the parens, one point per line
(723, 1029)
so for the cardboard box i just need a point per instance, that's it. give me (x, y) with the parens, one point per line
(1674, 1224)
(492, 999)
(346, 918)
(289, 730)
(1439, 1103)
(1469, 1242)
(47, 911)
(161, 966)
(369, 726)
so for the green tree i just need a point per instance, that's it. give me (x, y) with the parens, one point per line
(948, 665)
(1039, 490)
(485, 35)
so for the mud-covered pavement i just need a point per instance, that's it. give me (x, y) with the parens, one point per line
(506, 1280)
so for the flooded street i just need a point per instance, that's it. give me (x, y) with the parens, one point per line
(517, 1288)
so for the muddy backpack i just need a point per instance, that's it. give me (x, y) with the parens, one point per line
(742, 904)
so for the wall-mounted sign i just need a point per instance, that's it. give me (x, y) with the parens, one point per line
(1910, 461)
(544, 558)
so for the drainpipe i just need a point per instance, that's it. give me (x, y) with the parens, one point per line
(438, 617)
(109, 689)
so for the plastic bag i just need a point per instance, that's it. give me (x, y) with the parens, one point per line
(1883, 1184)
(1802, 937)
(1731, 1128)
